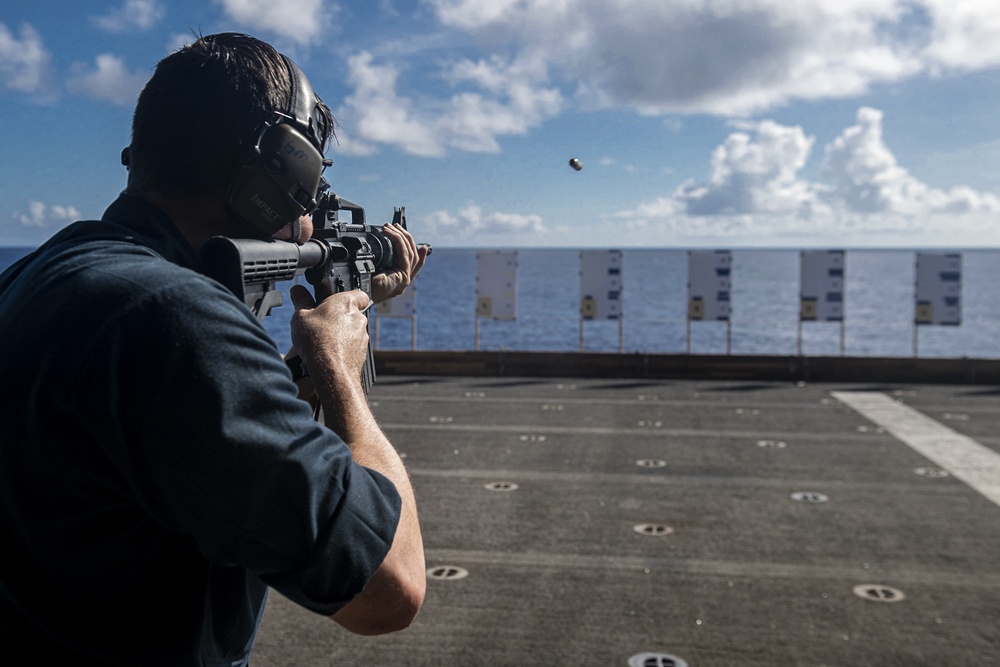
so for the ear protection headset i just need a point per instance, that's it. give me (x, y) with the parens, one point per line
(279, 178)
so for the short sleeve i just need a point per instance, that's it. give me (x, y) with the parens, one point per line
(206, 431)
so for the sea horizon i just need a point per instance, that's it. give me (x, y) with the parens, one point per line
(878, 306)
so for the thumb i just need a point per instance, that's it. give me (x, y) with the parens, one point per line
(301, 298)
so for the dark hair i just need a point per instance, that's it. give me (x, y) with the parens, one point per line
(204, 107)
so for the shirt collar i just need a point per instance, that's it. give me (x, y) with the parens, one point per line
(152, 228)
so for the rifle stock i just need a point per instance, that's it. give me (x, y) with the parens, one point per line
(252, 269)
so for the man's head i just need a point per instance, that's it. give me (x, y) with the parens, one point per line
(229, 116)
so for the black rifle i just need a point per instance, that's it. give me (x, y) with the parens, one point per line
(340, 256)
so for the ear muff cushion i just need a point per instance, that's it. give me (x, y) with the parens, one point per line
(278, 180)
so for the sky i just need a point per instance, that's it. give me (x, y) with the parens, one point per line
(699, 123)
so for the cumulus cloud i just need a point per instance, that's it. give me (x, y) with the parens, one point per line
(24, 61)
(134, 15)
(45, 216)
(109, 80)
(866, 178)
(756, 186)
(522, 59)
(300, 21)
(492, 98)
(375, 113)
(470, 221)
(756, 174)
(731, 58)
(512, 100)
(962, 34)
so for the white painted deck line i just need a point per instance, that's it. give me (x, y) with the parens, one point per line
(964, 458)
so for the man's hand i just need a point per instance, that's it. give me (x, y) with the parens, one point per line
(408, 258)
(331, 337)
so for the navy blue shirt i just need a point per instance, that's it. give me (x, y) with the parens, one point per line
(157, 472)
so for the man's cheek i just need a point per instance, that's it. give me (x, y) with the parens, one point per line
(285, 233)
(305, 228)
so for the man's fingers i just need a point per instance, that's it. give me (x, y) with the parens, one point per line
(301, 298)
(403, 245)
(422, 251)
(410, 255)
(361, 299)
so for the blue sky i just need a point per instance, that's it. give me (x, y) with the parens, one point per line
(700, 123)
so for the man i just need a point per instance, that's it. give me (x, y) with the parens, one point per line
(158, 472)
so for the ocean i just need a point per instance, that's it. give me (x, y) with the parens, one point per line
(879, 292)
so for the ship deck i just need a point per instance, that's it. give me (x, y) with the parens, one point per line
(663, 523)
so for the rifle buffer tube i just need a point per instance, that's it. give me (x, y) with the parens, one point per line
(242, 263)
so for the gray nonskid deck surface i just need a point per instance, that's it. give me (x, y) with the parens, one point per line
(604, 522)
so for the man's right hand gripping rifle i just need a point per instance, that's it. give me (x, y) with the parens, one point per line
(332, 335)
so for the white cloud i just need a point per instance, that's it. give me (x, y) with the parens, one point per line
(731, 58)
(513, 99)
(109, 79)
(41, 215)
(506, 223)
(374, 113)
(178, 41)
(756, 193)
(756, 174)
(964, 33)
(473, 14)
(611, 162)
(866, 178)
(300, 21)
(522, 57)
(131, 16)
(509, 100)
(470, 222)
(347, 144)
(24, 62)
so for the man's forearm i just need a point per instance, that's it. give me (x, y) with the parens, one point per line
(394, 595)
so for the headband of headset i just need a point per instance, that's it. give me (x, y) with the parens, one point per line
(279, 178)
